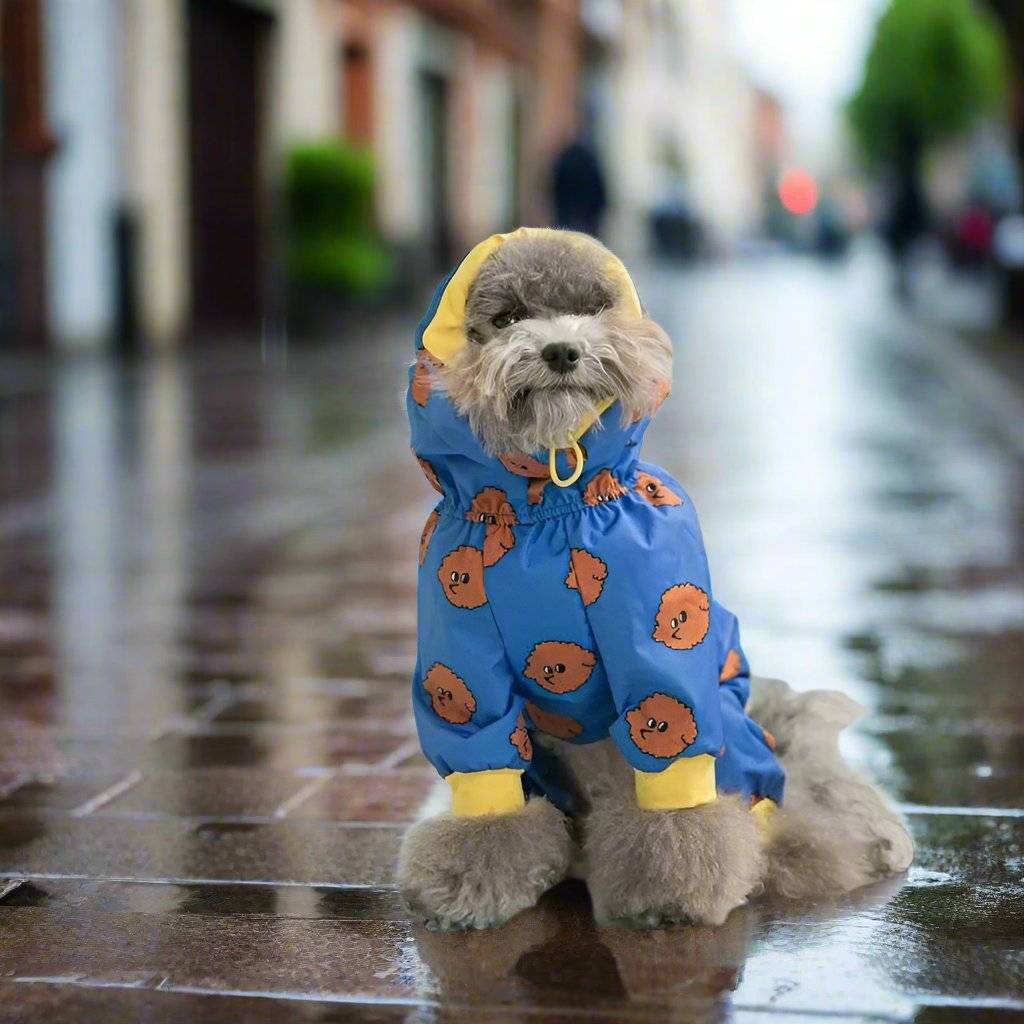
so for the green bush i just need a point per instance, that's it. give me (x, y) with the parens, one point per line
(333, 243)
(934, 68)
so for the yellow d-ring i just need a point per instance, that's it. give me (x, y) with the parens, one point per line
(553, 467)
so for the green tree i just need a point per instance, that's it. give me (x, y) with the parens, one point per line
(934, 68)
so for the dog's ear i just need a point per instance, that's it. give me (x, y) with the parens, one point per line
(644, 357)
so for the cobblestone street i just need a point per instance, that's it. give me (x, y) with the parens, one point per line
(207, 628)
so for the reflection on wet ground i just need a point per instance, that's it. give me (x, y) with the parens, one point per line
(207, 573)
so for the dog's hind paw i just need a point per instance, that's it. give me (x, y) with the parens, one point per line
(458, 873)
(658, 868)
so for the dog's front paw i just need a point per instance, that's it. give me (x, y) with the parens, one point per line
(655, 868)
(479, 872)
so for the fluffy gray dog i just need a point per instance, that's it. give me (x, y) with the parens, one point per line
(548, 341)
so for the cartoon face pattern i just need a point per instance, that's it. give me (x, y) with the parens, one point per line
(421, 377)
(428, 531)
(654, 491)
(559, 667)
(450, 697)
(587, 574)
(535, 491)
(428, 472)
(462, 577)
(732, 666)
(604, 487)
(661, 726)
(523, 465)
(683, 617)
(769, 738)
(520, 739)
(562, 726)
(491, 506)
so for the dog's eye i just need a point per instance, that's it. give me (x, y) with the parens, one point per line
(651, 723)
(506, 318)
(662, 726)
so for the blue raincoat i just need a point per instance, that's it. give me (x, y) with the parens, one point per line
(581, 611)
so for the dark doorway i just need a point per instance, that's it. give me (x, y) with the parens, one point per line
(226, 58)
(357, 94)
(437, 233)
(25, 146)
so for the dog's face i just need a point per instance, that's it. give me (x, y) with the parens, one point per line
(546, 344)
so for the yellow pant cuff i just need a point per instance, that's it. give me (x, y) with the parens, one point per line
(496, 791)
(763, 811)
(688, 782)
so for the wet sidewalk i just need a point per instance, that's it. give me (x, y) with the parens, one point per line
(207, 575)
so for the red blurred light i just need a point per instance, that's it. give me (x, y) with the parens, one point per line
(798, 192)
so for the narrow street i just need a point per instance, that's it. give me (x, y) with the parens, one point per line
(207, 620)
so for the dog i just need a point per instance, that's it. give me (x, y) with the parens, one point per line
(584, 694)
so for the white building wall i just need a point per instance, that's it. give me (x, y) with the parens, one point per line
(83, 183)
(155, 110)
(306, 88)
(491, 200)
(399, 144)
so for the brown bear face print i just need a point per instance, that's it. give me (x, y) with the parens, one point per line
(587, 574)
(661, 726)
(523, 465)
(462, 577)
(421, 377)
(769, 739)
(559, 667)
(604, 487)
(651, 488)
(428, 472)
(428, 531)
(520, 739)
(491, 507)
(535, 491)
(731, 667)
(450, 697)
(683, 617)
(562, 726)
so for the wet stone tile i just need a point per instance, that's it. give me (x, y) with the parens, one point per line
(209, 792)
(308, 852)
(393, 796)
(58, 792)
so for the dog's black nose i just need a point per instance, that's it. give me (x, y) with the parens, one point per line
(560, 357)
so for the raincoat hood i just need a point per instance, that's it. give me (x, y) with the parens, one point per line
(451, 456)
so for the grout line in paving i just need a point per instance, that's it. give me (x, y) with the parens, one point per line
(961, 812)
(110, 793)
(398, 755)
(43, 876)
(301, 795)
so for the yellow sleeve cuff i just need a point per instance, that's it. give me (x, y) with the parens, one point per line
(688, 782)
(497, 791)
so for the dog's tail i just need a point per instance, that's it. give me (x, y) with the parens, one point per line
(835, 832)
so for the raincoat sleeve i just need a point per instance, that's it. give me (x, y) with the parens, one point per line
(653, 628)
(468, 714)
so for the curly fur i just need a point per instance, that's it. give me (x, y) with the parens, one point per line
(560, 292)
(652, 868)
(479, 872)
(835, 832)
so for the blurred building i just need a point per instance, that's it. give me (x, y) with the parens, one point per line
(142, 140)
(676, 116)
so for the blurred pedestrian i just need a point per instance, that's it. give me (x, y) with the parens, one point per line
(578, 188)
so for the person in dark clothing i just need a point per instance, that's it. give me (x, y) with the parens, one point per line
(578, 189)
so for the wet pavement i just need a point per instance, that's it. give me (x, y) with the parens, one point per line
(207, 572)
